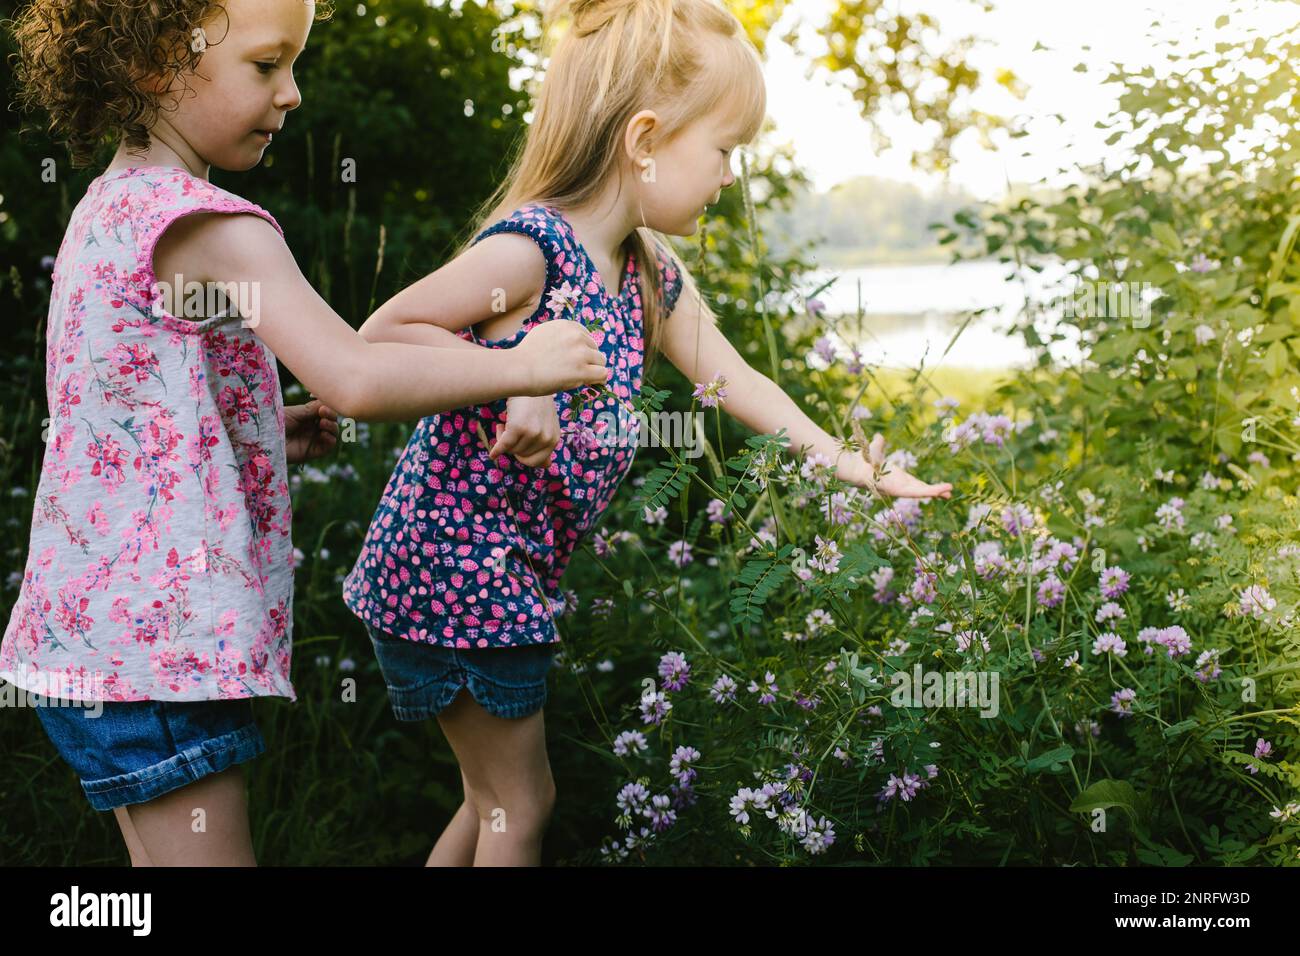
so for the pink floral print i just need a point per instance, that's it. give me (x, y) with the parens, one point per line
(161, 564)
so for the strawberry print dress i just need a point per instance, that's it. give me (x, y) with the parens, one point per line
(160, 559)
(465, 552)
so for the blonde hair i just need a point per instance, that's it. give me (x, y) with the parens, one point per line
(682, 58)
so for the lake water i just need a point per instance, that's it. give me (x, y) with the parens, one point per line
(924, 305)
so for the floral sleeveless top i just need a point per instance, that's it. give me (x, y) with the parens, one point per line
(465, 552)
(160, 563)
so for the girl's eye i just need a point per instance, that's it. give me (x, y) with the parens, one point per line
(268, 67)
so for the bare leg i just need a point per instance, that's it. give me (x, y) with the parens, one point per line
(133, 845)
(172, 832)
(456, 845)
(508, 780)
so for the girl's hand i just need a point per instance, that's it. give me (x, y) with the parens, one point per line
(868, 471)
(562, 355)
(531, 432)
(310, 431)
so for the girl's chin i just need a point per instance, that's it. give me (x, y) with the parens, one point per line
(242, 161)
(688, 228)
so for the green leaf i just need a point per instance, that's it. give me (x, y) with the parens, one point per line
(1105, 794)
(1166, 236)
(1284, 247)
(758, 580)
(1275, 360)
(1053, 760)
(664, 484)
(1160, 855)
(861, 558)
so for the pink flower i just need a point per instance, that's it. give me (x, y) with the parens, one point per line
(766, 692)
(904, 787)
(1255, 600)
(1110, 642)
(1114, 582)
(1207, 665)
(711, 393)
(1175, 639)
(1121, 702)
(679, 553)
(563, 299)
(1051, 592)
(825, 350)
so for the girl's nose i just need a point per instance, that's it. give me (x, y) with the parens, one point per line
(289, 98)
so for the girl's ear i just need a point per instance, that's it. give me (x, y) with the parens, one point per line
(640, 135)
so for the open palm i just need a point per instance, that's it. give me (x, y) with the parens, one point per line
(870, 471)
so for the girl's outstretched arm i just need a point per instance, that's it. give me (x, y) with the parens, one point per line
(378, 381)
(693, 342)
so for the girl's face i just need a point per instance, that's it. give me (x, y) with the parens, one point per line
(688, 173)
(243, 86)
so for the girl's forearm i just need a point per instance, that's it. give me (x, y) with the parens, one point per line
(761, 405)
(395, 381)
(443, 340)
(415, 333)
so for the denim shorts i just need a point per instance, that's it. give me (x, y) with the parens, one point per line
(136, 751)
(424, 678)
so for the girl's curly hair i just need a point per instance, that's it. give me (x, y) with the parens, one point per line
(81, 60)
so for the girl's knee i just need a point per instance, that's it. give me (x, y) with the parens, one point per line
(547, 801)
(530, 809)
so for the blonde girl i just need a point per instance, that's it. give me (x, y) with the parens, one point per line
(642, 107)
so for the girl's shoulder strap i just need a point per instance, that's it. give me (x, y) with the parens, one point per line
(541, 223)
(670, 276)
(547, 227)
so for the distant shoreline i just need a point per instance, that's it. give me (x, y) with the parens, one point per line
(839, 259)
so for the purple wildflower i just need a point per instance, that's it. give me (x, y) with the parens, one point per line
(674, 670)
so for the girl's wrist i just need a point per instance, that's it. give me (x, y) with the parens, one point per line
(518, 373)
(845, 463)
(853, 469)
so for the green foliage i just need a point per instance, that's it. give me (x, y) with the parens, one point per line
(367, 148)
(760, 578)
(886, 54)
(1170, 457)
(665, 484)
(832, 769)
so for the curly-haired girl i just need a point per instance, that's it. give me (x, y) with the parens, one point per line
(158, 585)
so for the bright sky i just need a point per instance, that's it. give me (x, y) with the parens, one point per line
(832, 140)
